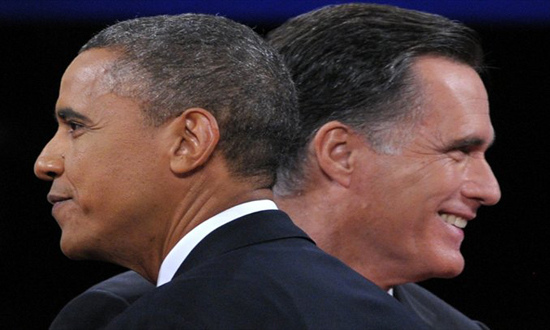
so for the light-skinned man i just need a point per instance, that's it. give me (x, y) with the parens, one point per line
(390, 166)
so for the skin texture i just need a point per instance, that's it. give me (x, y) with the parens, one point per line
(122, 190)
(380, 213)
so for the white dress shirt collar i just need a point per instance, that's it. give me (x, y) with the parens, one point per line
(181, 250)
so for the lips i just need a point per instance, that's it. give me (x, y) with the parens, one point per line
(59, 202)
(54, 199)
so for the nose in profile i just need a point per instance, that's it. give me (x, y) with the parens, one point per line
(49, 165)
(482, 184)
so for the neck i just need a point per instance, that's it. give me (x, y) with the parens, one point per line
(326, 220)
(204, 198)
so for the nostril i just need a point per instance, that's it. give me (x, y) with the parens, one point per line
(48, 167)
(51, 174)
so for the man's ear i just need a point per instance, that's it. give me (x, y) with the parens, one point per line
(195, 136)
(333, 146)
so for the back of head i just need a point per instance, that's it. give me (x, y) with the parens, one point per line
(173, 63)
(352, 63)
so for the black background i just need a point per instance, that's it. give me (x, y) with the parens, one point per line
(505, 283)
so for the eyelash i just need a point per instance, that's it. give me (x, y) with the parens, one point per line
(459, 154)
(74, 126)
(464, 150)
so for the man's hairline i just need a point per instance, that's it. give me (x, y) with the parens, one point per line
(114, 79)
(403, 125)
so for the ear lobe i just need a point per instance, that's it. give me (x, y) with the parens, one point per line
(334, 151)
(196, 135)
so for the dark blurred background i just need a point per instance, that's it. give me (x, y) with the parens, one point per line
(506, 280)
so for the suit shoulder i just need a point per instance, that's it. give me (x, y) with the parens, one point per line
(98, 305)
(266, 298)
(432, 309)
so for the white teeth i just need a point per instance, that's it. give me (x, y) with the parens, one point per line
(454, 220)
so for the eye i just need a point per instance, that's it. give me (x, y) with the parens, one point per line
(464, 149)
(459, 153)
(74, 127)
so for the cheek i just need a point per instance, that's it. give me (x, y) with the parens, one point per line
(436, 180)
(98, 175)
(446, 179)
(415, 193)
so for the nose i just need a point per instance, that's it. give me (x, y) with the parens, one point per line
(49, 164)
(482, 184)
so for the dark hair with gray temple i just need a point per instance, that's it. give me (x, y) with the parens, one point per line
(353, 63)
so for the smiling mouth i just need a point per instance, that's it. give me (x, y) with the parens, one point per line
(454, 220)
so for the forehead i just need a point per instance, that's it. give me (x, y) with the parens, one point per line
(88, 76)
(455, 101)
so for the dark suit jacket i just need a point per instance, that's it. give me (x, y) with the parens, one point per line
(98, 305)
(263, 272)
(434, 311)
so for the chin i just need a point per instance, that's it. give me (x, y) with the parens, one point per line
(74, 249)
(438, 263)
(72, 253)
(450, 267)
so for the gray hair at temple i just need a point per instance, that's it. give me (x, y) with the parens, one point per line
(353, 63)
(172, 63)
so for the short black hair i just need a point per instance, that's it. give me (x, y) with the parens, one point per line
(172, 63)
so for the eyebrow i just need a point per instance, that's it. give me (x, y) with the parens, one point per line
(66, 114)
(469, 143)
